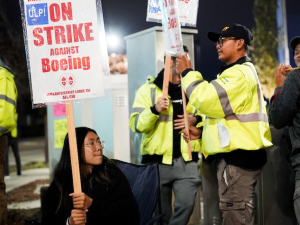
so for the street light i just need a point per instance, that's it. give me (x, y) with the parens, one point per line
(113, 41)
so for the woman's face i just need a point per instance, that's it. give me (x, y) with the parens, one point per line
(91, 152)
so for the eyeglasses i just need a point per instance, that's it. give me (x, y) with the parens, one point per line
(222, 39)
(95, 145)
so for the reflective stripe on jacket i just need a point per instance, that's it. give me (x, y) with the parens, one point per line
(8, 101)
(157, 130)
(235, 110)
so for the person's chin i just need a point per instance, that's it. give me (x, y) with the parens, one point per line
(99, 159)
(221, 58)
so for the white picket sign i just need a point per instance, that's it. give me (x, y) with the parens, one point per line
(187, 12)
(171, 27)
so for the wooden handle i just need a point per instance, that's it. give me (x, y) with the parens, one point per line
(73, 147)
(291, 69)
(166, 76)
(186, 122)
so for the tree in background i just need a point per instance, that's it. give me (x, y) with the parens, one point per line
(265, 43)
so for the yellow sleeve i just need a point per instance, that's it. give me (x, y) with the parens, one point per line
(219, 98)
(8, 101)
(142, 120)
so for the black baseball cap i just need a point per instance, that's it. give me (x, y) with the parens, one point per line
(294, 42)
(235, 30)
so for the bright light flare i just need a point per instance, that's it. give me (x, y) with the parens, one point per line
(113, 41)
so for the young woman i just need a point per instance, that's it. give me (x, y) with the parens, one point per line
(106, 196)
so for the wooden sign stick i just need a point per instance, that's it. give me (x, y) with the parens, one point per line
(186, 121)
(73, 147)
(291, 69)
(166, 76)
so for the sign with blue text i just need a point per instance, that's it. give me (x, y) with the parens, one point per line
(187, 12)
(64, 49)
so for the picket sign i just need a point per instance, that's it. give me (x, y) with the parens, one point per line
(187, 11)
(186, 121)
(65, 51)
(166, 76)
(173, 47)
(73, 147)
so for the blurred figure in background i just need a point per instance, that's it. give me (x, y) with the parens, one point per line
(284, 111)
(13, 143)
(8, 103)
(117, 64)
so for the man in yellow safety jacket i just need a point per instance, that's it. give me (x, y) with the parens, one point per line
(8, 101)
(236, 129)
(160, 120)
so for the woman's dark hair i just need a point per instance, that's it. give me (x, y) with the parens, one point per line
(63, 170)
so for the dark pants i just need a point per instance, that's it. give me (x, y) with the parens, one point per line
(184, 179)
(13, 142)
(236, 191)
(295, 161)
(3, 203)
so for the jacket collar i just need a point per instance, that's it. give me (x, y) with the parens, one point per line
(6, 67)
(159, 80)
(239, 61)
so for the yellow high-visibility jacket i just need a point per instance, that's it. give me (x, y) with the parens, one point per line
(14, 132)
(235, 110)
(8, 101)
(157, 130)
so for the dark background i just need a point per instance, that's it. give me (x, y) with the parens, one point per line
(129, 16)
(125, 17)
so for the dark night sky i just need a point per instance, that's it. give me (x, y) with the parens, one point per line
(124, 17)
(129, 16)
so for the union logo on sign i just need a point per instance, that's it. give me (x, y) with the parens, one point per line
(70, 80)
(67, 81)
(63, 81)
(37, 14)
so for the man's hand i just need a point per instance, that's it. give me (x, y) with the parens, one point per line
(78, 216)
(195, 133)
(281, 74)
(162, 104)
(182, 63)
(81, 200)
(180, 124)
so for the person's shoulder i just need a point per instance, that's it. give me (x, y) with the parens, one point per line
(236, 71)
(114, 173)
(111, 166)
(53, 186)
(242, 70)
(150, 81)
(52, 191)
(5, 73)
(293, 76)
(295, 72)
(148, 84)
